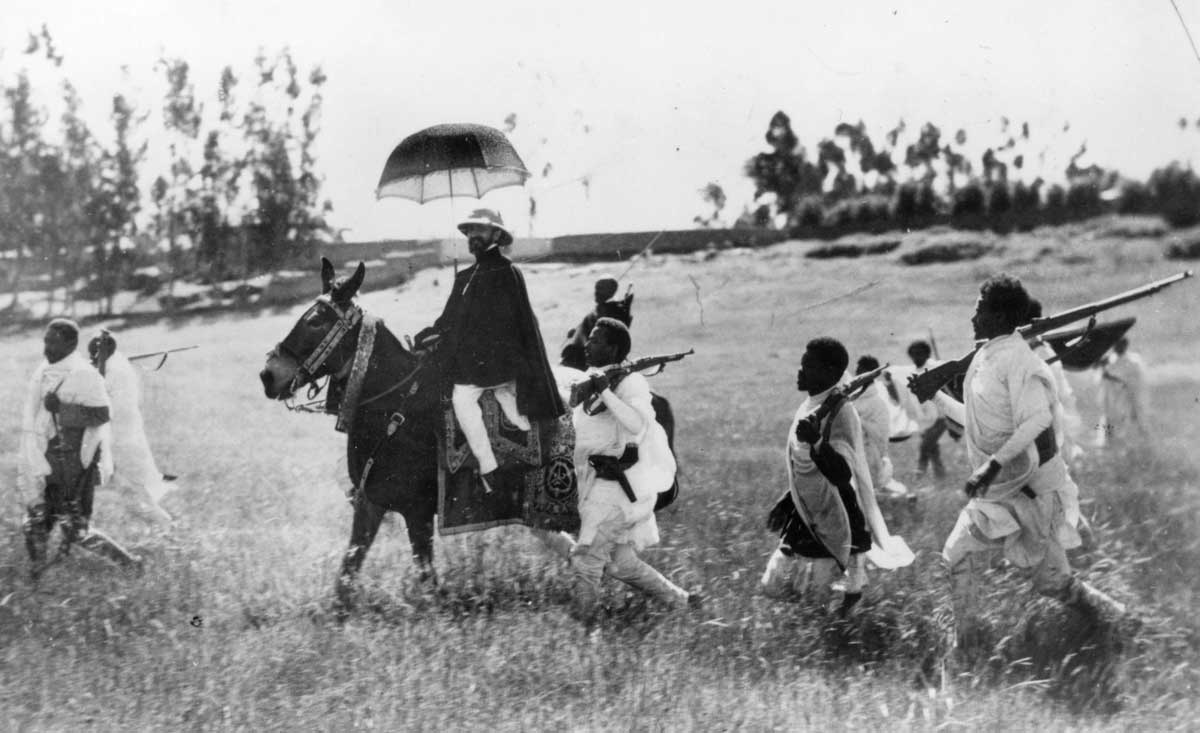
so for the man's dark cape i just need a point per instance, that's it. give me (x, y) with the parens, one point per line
(491, 336)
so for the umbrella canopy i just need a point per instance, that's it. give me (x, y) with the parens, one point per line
(451, 160)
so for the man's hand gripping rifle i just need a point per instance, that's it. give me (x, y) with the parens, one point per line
(808, 429)
(927, 384)
(587, 392)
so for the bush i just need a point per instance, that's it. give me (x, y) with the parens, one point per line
(810, 212)
(1185, 250)
(1176, 194)
(968, 201)
(999, 200)
(842, 214)
(852, 249)
(1134, 198)
(946, 252)
(1056, 198)
(1024, 198)
(871, 209)
(913, 201)
(1082, 198)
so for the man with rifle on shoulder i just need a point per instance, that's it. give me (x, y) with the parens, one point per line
(828, 518)
(135, 474)
(1019, 485)
(622, 461)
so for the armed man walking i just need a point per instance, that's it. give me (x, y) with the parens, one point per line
(1008, 417)
(607, 306)
(623, 462)
(933, 427)
(876, 416)
(488, 339)
(65, 450)
(828, 516)
(135, 474)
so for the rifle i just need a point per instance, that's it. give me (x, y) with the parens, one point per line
(164, 354)
(843, 392)
(926, 385)
(584, 393)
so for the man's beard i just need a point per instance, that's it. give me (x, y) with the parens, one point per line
(478, 245)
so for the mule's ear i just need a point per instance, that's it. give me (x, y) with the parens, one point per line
(346, 290)
(327, 275)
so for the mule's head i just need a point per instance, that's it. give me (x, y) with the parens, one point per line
(305, 353)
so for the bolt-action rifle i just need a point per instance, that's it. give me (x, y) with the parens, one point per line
(585, 392)
(843, 392)
(926, 384)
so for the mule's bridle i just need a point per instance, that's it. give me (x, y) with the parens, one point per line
(348, 317)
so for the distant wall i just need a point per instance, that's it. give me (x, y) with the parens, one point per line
(405, 256)
(622, 245)
(389, 262)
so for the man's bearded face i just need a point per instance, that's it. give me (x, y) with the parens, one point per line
(480, 238)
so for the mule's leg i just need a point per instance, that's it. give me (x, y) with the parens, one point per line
(367, 518)
(419, 519)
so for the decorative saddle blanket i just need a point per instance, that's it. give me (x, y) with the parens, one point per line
(535, 484)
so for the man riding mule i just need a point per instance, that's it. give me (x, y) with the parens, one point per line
(389, 403)
(488, 339)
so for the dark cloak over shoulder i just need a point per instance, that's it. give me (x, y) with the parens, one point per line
(491, 336)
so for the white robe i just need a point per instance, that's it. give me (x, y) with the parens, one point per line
(76, 382)
(654, 472)
(872, 408)
(1067, 423)
(1010, 399)
(817, 500)
(1123, 385)
(134, 466)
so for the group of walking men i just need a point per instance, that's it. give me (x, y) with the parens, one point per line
(1021, 498)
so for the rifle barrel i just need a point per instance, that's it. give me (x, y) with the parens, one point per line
(1050, 323)
(152, 354)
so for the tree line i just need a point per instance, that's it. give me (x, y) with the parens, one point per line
(237, 192)
(914, 179)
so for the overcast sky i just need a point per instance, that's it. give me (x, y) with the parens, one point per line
(649, 101)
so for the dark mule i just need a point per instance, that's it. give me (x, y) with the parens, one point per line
(399, 391)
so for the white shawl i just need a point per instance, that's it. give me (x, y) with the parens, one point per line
(887, 551)
(76, 382)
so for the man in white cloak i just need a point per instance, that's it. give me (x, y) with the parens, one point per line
(828, 520)
(64, 451)
(622, 461)
(135, 474)
(1123, 384)
(1019, 497)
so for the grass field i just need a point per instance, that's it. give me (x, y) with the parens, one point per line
(230, 627)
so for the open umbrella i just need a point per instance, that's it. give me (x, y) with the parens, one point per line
(445, 161)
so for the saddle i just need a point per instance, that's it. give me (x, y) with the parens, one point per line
(511, 445)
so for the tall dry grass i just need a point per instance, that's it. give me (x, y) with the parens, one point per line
(231, 628)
